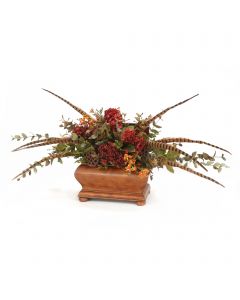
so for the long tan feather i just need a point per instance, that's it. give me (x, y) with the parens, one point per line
(37, 163)
(186, 140)
(61, 141)
(165, 146)
(82, 112)
(148, 122)
(36, 142)
(178, 165)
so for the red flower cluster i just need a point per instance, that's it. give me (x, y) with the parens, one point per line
(80, 130)
(113, 117)
(83, 129)
(129, 136)
(139, 143)
(109, 154)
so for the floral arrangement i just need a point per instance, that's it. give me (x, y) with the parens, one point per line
(107, 139)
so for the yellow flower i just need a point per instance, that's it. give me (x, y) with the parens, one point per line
(131, 163)
(86, 120)
(127, 157)
(144, 172)
(133, 168)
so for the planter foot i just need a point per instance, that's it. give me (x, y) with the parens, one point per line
(82, 199)
(140, 199)
(141, 203)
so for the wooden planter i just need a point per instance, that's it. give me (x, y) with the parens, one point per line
(111, 184)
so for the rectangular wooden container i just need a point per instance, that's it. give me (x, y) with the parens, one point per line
(111, 184)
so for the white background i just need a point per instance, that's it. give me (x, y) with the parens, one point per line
(141, 56)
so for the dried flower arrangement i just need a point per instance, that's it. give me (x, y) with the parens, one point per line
(106, 139)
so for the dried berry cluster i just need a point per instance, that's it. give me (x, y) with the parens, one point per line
(113, 117)
(109, 155)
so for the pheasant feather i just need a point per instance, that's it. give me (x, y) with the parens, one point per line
(82, 112)
(68, 141)
(186, 140)
(165, 146)
(36, 142)
(38, 163)
(178, 165)
(148, 122)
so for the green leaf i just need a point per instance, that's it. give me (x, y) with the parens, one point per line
(155, 125)
(159, 152)
(118, 144)
(18, 137)
(83, 145)
(47, 163)
(79, 148)
(216, 165)
(154, 131)
(93, 136)
(207, 156)
(60, 160)
(130, 148)
(24, 136)
(74, 136)
(172, 155)
(61, 147)
(223, 157)
(194, 154)
(170, 168)
(225, 166)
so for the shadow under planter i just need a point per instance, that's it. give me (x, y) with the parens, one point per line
(111, 184)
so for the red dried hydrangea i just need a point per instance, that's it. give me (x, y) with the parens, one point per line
(129, 136)
(84, 130)
(80, 130)
(139, 143)
(113, 117)
(110, 155)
